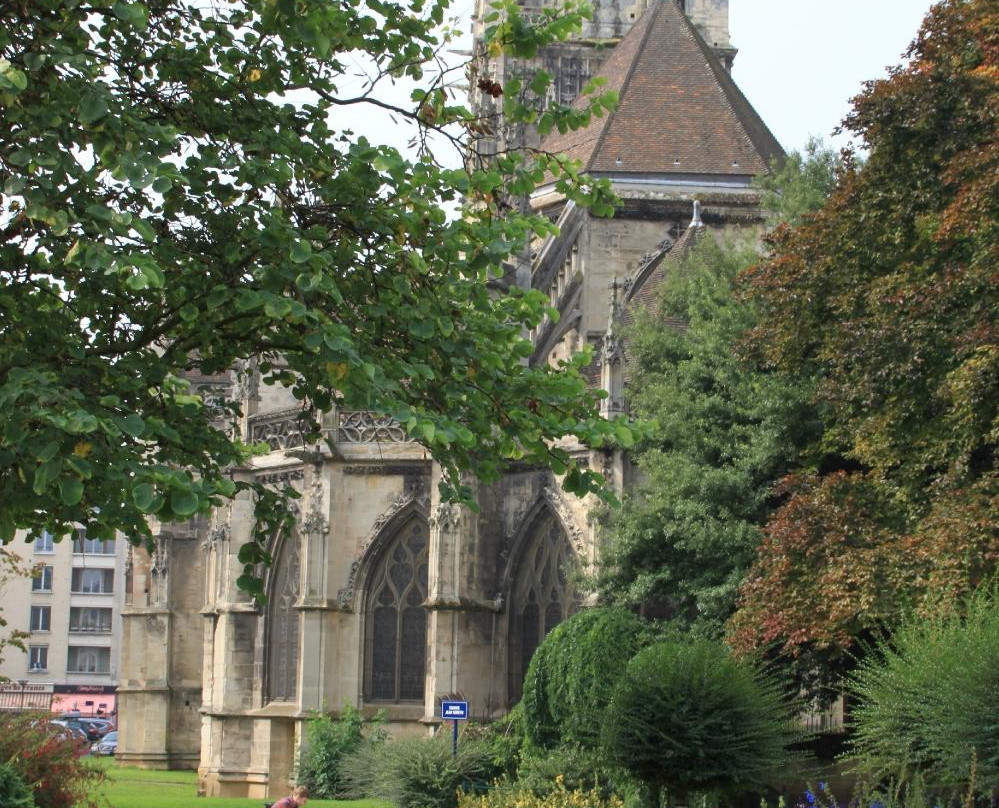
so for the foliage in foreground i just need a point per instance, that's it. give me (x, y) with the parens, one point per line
(926, 705)
(330, 739)
(14, 792)
(212, 214)
(48, 762)
(688, 717)
(572, 673)
(418, 772)
(888, 298)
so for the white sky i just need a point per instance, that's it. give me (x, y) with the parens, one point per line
(800, 61)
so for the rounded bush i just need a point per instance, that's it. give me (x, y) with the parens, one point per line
(686, 716)
(572, 674)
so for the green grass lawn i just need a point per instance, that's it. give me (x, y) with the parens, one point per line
(128, 787)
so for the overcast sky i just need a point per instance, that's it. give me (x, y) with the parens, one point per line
(800, 61)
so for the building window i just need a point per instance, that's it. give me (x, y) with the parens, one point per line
(41, 618)
(395, 620)
(542, 596)
(41, 581)
(84, 619)
(83, 659)
(84, 546)
(92, 581)
(38, 657)
(283, 624)
(44, 543)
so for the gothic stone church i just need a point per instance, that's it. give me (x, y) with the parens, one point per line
(382, 596)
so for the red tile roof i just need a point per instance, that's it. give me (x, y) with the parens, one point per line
(679, 111)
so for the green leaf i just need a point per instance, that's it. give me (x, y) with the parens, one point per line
(70, 490)
(92, 108)
(133, 425)
(301, 251)
(142, 496)
(184, 502)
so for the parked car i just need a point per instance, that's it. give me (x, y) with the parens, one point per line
(93, 728)
(100, 725)
(107, 745)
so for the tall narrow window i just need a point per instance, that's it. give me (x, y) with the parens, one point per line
(38, 657)
(41, 618)
(395, 660)
(41, 580)
(542, 595)
(283, 624)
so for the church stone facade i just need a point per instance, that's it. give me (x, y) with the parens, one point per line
(382, 596)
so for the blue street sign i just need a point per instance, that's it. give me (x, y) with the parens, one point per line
(454, 710)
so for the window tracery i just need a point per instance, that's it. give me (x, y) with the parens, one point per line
(395, 619)
(283, 624)
(542, 595)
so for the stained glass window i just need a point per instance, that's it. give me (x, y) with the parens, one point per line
(542, 595)
(283, 624)
(395, 657)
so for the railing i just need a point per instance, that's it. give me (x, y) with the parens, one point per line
(285, 429)
(361, 426)
(279, 430)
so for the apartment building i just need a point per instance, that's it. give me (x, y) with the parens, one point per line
(71, 609)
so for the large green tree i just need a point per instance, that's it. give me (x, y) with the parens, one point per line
(726, 426)
(182, 191)
(889, 298)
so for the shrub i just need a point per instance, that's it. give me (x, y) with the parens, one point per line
(926, 704)
(572, 673)
(330, 739)
(14, 793)
(502, 742)
(573, 768)
(418, 772)
(558, 797)
(48, 761)
(686, 716)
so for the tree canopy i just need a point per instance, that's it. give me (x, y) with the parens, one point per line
(889, 299)
(181, 191)
(727, 428)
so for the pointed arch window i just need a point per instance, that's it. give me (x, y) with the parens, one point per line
(395, 659)
(542, 595)
(283, 620)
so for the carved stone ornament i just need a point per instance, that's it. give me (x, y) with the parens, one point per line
(558, 504)
(446, 517)
(315, 521)
(345, 595)
(284, 429)
(362, 426)
(160, 558)
(282, 478)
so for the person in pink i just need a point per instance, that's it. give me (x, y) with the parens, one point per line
(297, 798)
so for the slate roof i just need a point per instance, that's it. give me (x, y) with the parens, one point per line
(679, 110)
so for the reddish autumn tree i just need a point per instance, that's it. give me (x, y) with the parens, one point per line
(889, 297)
